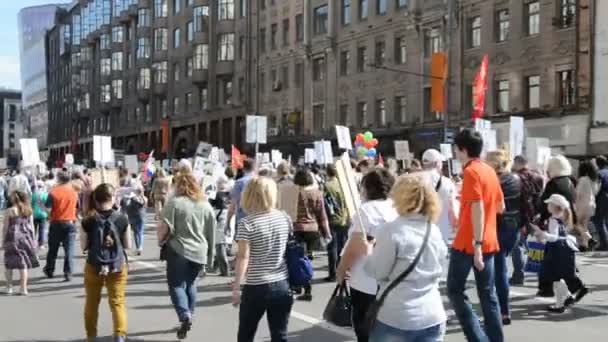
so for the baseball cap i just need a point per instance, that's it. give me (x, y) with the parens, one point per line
(559, 201)
(432, 156)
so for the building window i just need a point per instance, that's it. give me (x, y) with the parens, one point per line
(189, 67)
(298, 75)
(299, 28)
(226, 9)
(401, 4)
(262, 82)
(273, 36)
(381, 112)
(318, 114)
(566, 87)
(160, 39)
(105, 95)
(176, 72)
(363, 9)
(400, 51)
(117, 61)
(344, 62)
(286, 32)
(242, 87)
(227, 91)
(318, 69)
(117, 89)
(401, 109)
(344, 119)
(533, 15)
(201, 17)
(177, 6)
(242, 47)
(380, 53)
(262, 40)
(188, 104)
(533, 84)
(189, 3)
(117, 8)
(104, 41)
(475, 32)
(502, 96)
(362, 114)
(201, 57)
(164, 111)
(189, 31)
(381, 7)
(117, 34)
(262, 4)
(362, 59)
(105, 66)
(160, 8)
(203, 98)
(160, 72)
(143, 17)
(346, 8)
(176, 38)
(285, 77)
(226, 48)
(320, 20)
(432, 42)
(567, 12)
(176, 107)
(243, 8)
(502, 28)
(143, 48)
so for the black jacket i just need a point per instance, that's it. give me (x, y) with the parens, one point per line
(563, 185)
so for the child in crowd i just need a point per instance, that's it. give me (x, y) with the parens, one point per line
(136, 211)
(559, 261)
(18, 241)
(223, 231)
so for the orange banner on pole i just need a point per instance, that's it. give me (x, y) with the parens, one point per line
(164, 126)
(480, 86)
(439, 71)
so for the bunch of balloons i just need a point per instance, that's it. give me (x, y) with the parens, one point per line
(365, 144)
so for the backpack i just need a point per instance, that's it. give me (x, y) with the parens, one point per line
(106, 252)
(299, 266)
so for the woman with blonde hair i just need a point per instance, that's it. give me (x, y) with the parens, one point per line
(262, 238)
(509, 224)
(186, 232)
(411, 308)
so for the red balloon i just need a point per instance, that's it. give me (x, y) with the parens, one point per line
(359, 138)
(375, 142)
(369, 144)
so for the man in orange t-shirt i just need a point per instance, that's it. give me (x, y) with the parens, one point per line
(476, 241)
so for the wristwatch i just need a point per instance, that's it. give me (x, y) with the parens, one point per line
(477, 243)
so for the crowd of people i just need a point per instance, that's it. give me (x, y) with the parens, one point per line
(413, 221)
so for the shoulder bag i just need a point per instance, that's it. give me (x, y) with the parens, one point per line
(372, 312)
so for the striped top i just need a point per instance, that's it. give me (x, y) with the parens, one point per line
(267, 234)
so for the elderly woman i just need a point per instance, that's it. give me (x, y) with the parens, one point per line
(376, 210)
(586, 190)
(413, 310)
(311, 218)
(509, 224)
(562, 183)
(262, 240)
(187, 233)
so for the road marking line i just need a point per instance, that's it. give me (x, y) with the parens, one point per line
(323, 324)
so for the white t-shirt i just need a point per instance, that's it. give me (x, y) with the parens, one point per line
(447, 196)
(374, 214)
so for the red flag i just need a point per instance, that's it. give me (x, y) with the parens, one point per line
(480, 86)
(237, 158)
(380, 160)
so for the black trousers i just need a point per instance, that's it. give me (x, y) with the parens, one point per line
(361, 302)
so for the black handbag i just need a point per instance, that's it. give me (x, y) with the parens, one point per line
(374, 308)
(339, 308)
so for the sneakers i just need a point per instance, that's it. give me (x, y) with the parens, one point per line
(556, 309)
(48, 273)
(506, 320)
(580, 294)
(184, 328)
(9, 291)
(307, 297)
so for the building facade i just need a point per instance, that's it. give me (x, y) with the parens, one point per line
(33, 23)
(11, 126)
(180, 71)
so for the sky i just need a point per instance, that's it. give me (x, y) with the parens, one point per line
(9, 41)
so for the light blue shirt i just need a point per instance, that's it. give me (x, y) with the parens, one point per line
(235, 195)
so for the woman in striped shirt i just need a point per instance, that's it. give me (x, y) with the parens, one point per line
(262, 240)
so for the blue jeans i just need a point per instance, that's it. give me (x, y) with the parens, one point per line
(181, 279)
(600, 221)
(384, 333)
(275, 300)
(334, 248)
(41, 227)
(61, 234)
(458, 272)
(138, 234)
(508, 235)
(518, 256)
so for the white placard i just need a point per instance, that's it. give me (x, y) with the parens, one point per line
(214, 155)
(132, 164)
(446, 150)
(309, 155)
(538, 152)
(319, 155)
(69, 159)
(266, 158)
(102, 149)
(489, 141)
(402, 150)
(203, 149)
(456, 167)
(276, 156)
(2, 163)
(29, 152)
(256, 129)
(482, 125)
(328, 154)
(166, 165)
(516, 136)
(198, 168)
(343, 137)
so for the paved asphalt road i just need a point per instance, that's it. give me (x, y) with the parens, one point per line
(53, 310)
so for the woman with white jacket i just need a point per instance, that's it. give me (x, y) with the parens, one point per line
(584, 204)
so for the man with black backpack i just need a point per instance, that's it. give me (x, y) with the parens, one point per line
(335, 206)
(600, 220)
(105, 237)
